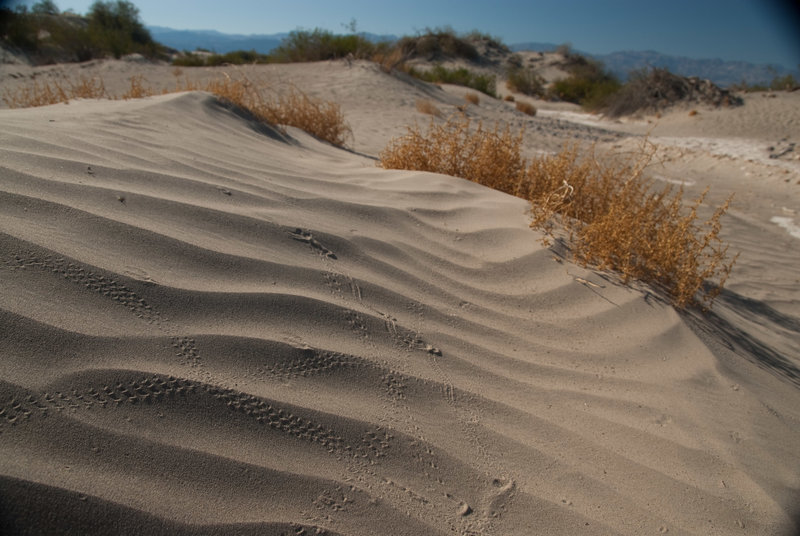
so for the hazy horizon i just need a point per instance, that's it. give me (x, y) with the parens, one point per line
(756, 31)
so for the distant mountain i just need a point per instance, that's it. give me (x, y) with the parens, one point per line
(214, 40)
(221, 43)
(721, 72)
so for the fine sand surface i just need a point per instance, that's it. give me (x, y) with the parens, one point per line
(210, 327)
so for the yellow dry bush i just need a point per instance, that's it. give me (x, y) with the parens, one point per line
(390, 60)
(87, 88)
(526, 108)
(427, 107)
(323, 119)
(615, 218)
(138, 90)
(53, 92)
(490, 157)
(472, 98)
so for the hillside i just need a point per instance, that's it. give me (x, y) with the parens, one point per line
(721, 72)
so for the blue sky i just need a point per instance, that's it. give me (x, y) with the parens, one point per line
(759, 31)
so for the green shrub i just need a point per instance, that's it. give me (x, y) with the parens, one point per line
(189, 59)
(525, 81)
(460, 76)
(490, 40)
(114, 27)
(783, 83)
(47, 36)
(437, 43)
(236, 57)
(321, 45)
(589, 84)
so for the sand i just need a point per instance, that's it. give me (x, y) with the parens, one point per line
(212, 327)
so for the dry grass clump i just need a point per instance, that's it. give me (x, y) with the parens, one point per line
(138, 89)
(323, 119)
(427, 107)
(526, 108)
(615, 218)
(54, 92)
(509, 98)
(490, 157)
(472, 98)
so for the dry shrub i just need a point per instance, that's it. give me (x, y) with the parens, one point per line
(509, 98)
(526, 108)
(427, 107)
(319, 118)
(323, 119)
(472, 98)
(389, 60)
(54, 92)
(137, 90)
(615, 218)
(490, 157)
(692, 113)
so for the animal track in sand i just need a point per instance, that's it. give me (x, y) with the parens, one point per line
(313, 362)
(96, 282)
(157, 389)
(302, 235)
(185, 347)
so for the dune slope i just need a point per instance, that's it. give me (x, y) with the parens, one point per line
(211, 327)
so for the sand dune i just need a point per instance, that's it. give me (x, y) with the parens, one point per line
(210, 327)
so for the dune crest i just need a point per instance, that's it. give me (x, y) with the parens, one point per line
(211, 326)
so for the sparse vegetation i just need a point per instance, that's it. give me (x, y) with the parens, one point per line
(656, 89)
(614, 216)
(460, 76)
(472, 98)
(236, 57)
(524, 80)
(779, 83)
(44, 93)
(321, 45)
(437, 44)
(589, 84)
(427, 107)
(319, 118)
(526, 108)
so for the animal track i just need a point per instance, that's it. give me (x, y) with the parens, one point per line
(154, 389)
(374, 443)
(315, 362)
(306, 236)
(185, 347)
(91, 280)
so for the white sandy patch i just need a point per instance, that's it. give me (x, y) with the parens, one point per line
(787, 223)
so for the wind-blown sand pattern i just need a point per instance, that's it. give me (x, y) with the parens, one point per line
(210, 327)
